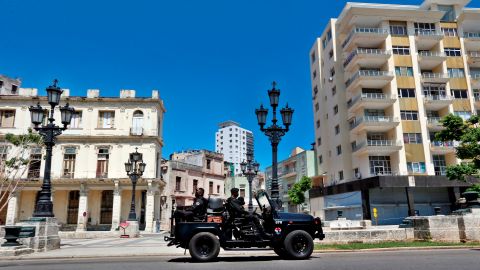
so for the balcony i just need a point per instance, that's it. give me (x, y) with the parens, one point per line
(366, 58)
(426, 39)
(374, 123)
(437, 102)
(474, 58)
(428, 77)
(429, 60)
(377, 147)
(476, 99)
(136, 131)
(369, 79)
(371, 101)
(365, 37)
(442, 148)
(471, 41)
(475, 80)
(434, 124)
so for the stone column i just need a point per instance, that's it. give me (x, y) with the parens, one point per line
(12, 209)
(117, 206)
(150, 208)
(82, 208)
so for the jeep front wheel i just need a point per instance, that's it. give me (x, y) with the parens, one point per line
(298, 245)
(204, 247)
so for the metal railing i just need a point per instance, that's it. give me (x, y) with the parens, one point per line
(434, 120)
(364, 51)
(375, 96)
(474, 53)
(368, 73)
(373, 119)
(377, 143)
(438, 97)
(431, 54)
(367, 30)
(476, 97)
(136, 131)
(428, 75)
(426, 32)
(442, 144)
(471, 35)
(475, 76)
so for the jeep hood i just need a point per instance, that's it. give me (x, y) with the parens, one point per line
(295, 217)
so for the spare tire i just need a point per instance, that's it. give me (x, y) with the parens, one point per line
(204, 247)
(298, 245)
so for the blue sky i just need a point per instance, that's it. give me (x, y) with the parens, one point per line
(211, 60)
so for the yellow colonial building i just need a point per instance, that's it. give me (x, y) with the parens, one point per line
(90, 189)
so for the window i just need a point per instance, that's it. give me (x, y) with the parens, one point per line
(315, 90)
(314, 74)
(450, 32)
(14, 89)
(319, 141)
(320, 159)
(456, 72)
(1, 84)
(106, 119)
(317, 107)
(195, 185)
(449, 15)
(218, 189)
(465, 115)
(324, 43)
(459, 93)
(409, 115)
(318, 123)
(312, 56)
(353, 145)
(329, 35)
(7, 118)
(337, 129)
(406, 92)
(339, 150)
(335, 109)
(424, 28)
(340, 175)
(398, 30)
(412, 138)
(102, 162)
(380, 165)
(210, 187)
(3, 158)
(453, 52)
(404, 71)
(242, 190)
(76, 120)
(439, 164)
(434, 90)
(401, 50)
(35, 162)
(69, 157)
(332, 72)
(330, 54)
(416, 167)
(178, 183)
(137, 123)
(334, 90)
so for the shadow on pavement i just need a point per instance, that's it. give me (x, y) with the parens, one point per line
(233, 259)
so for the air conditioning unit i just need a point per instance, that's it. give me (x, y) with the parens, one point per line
(358, 175)
(330, 79)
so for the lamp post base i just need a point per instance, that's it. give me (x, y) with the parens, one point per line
(44, 234)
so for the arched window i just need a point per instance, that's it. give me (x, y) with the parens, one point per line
(137, 123)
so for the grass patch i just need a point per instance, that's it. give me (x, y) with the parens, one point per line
(356, 246)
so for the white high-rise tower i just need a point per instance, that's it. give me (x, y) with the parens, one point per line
(233, 142)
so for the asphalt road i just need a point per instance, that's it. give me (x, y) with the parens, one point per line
(390, 260)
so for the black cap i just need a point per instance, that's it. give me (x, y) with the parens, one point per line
(234, 190)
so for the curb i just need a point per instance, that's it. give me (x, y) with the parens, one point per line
(392, 249)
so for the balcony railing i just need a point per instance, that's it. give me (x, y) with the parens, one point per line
(434, 120)
(102, 174)
(438, 97)
(428, 75)
(476, 97)
(368, 73)
(474, 54)
(431, 54)
(428, 33)
(475, 76)
(366, 52)
(136, 131)
(475, 35)
(373, 119)
(374, 96)
(377, 143)
(379, 31)
(442, 144)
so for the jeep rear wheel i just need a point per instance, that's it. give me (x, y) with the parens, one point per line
(280, 251)
(298, 245)
(204, 247)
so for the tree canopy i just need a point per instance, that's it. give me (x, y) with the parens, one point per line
(296, 194)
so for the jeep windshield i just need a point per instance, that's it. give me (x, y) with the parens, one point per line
(263, 201)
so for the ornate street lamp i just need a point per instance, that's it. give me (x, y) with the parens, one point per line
(274, 133)
(134, 168)
(49, 132)
(250, 170)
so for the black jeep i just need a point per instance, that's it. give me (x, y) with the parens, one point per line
(289, 234)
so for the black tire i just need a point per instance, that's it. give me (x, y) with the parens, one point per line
(204, 247)
(298, 245)
(280, 251)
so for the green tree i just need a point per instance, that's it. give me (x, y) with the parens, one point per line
(296, 194)
(14, 162)
(467, 135)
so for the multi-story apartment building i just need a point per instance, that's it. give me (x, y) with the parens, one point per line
(234, 143)
(186, 171)
(380, 85)
(90, 188)
(300, 163)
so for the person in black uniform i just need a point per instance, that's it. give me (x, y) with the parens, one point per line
(197, 210)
